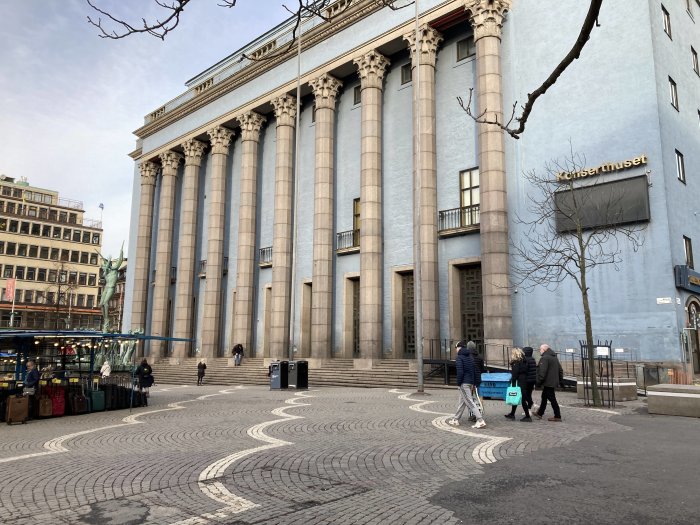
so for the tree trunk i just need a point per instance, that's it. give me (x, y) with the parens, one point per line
(595, 393)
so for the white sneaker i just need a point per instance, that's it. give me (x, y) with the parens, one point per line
(453, 422)
(479, 424)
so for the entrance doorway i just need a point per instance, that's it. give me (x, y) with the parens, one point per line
(409, 319)
(693, 338)
(471, 304)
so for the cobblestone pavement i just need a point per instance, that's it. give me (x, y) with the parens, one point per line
(245, 455)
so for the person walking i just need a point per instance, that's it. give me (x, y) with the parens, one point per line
(549, 375)
(480, 368)
(106, 369)
(531, 365)
(31, 383)
(201, 367)
(466, 381)
(237, 354)
(518, 374)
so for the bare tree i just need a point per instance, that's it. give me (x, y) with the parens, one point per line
(589, 23)
(302, 9)
(570, 227)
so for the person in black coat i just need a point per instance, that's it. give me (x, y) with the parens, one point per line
(549, 375)
(201, 367)
(144, 373)
(31, 383)
(531, 375)
(518, 371)
(466, 382)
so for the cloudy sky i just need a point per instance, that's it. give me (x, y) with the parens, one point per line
(70, 100)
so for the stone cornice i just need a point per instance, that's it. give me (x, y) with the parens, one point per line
(251, 124)
(220, 139)
(148, 173)
(285, 110)
(486, 16)
(372, 68)
(325, 88)
(170, 160)
(194, 149)
(322, 32)
(429, 40)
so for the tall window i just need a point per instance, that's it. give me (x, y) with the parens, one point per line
(696, 65)
(680, 166)
(406, 73)
(673, 89)
(466, 48)
(356, 222)
(469, 196)
(357, 95)
(667, 21)
(688, 247)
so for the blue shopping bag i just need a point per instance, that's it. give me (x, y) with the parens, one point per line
(513, 395)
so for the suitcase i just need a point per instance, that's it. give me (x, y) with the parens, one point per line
(45, 406)
(17, 410)
(58, 402)
(108, 393)
(78, 403)
(97, 398)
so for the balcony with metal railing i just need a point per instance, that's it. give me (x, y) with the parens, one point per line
(459, 221)
(347, 242)
(265, 260)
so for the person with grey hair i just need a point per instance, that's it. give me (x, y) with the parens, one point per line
(466, 382)
(549, 375)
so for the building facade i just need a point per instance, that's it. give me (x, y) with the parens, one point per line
(49, 255)
(290, 226)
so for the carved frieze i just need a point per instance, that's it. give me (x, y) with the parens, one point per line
(428, 41)
(372, 68)
(285, 110)
(326, 90)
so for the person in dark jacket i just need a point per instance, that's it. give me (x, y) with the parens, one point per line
(549, 375)
(531, 366)
(518, 372)
(201, 367)
(31, 383)
(466, 381)
(144, 373)
(480, 369)
(237, 354)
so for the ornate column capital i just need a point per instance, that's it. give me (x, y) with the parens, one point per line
(170, 160)
(325, 90)
(251, 124)
(372, 69)
(285, 110)
(486, 16)
(428, 41)
(194, 149)
(220, 138)
(148, 173)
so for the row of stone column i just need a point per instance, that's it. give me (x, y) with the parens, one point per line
(372, 68)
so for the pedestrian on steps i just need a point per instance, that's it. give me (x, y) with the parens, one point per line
(201, 367)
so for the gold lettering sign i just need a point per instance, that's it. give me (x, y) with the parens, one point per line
(694, 280)
(603, 168)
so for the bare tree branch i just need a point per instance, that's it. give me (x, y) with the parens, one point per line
(589, 23)
(158, 28)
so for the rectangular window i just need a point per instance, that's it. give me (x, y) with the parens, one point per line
(83, 258)
(54, 254)
(53, 215)
(67, 234)
(357, 95)
(65, 255)
(667, 21)
(11, 207)
(76, 235)
(62, 216)
(688, 247)
(11, 248)
(33, 251)
(24, 228)
(90, 301)
(82, 279)
(74, 256)
(72, 218)
(680, 166)
(31, 274)
(46, 231)
(50, 298)
(92, 279)
(469, 188)
(16, 192)
(19, 272)
(2, 247)
(14, 227)
(22, 250)
(43, 213)
(93, 258)
(356, 215)
(28, 296)
(56, 232)
(44, 252)
(406, 74)
(39, 297)
(62, 276)
(32, 211)
(674, 92)
(72, 277)
(80, 300)
(53, 275)
(36, 229)
(86, 237)
(41, 274)
(8, 271)
(466, 48)
(696, 65)
(95, 238)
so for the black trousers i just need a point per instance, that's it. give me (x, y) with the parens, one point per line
(527, 399)
(548, 394)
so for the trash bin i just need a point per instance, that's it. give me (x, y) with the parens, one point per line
(279, 375)
(299, 375)
(494, 386)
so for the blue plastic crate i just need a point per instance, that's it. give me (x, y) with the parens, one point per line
(494, 386)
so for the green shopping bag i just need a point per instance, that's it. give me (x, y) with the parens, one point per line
(513, 395)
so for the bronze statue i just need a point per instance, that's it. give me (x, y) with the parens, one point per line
(110, 273)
